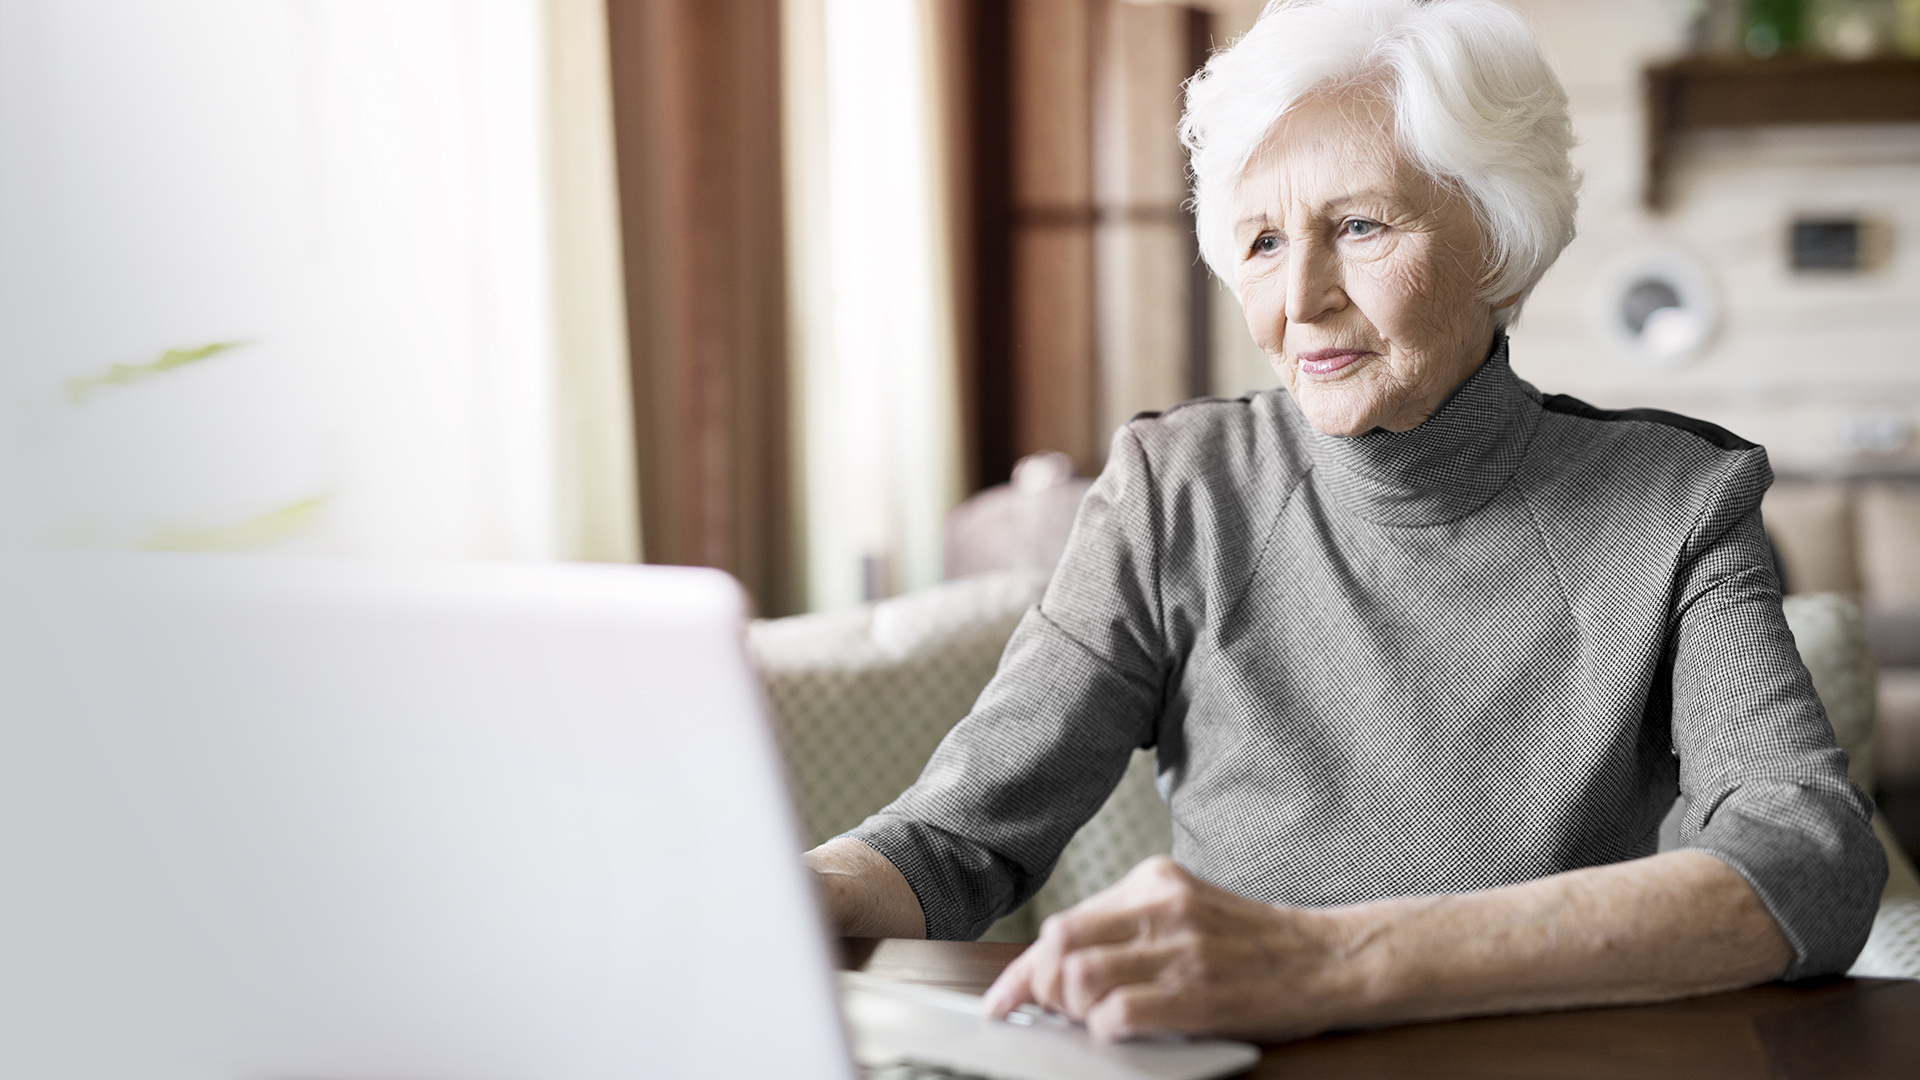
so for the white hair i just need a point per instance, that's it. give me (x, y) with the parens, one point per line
(1475, 106)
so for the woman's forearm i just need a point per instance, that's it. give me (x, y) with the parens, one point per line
(1163, 951)
(865, 895)
(1668, 926)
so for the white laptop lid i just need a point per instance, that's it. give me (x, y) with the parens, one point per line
(326, 821)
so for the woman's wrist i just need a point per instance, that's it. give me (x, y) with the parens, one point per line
(1356, 983)
(864, 894)
(1374, 970)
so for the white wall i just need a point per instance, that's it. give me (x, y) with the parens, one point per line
(358, 191)
(1798, 356)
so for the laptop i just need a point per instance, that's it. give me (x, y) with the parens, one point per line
(271, 819)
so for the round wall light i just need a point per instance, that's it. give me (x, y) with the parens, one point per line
(1657, 308)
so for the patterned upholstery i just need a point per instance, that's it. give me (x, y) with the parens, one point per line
(863, 696)
(1828, 631)
(1893, 949)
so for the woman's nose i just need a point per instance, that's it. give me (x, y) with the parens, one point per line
(1313, 283)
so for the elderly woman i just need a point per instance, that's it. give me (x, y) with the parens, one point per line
(1425, 655)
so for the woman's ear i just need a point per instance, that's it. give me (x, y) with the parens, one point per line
(1508, 302)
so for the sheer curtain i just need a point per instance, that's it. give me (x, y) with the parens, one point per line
(282, 276)
(871, 292)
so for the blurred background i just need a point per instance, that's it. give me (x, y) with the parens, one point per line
(776, 285)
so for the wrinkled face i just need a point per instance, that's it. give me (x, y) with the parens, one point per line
(1357, 272)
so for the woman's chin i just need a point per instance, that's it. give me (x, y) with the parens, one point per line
(1336, 414)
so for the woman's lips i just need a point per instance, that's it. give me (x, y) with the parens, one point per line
(1328, 361)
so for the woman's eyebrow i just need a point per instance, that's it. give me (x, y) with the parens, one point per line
(1345, 198)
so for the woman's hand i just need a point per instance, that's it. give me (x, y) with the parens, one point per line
(1163, 951)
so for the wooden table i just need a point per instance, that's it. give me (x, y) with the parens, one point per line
(1832, 1029)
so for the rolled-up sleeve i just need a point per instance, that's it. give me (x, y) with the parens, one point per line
(1078, 689)
(1765, 785)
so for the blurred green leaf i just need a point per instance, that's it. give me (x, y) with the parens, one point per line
(81, 387)
(252, 533)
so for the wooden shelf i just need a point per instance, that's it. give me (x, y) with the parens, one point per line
(1707, 92)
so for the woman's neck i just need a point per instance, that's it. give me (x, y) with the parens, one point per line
(1441, 470)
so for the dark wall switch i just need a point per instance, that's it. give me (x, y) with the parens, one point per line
(1826, 244)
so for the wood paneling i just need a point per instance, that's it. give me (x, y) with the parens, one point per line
(696, 87)
(1051, 71)
(1154, 348)
(1085, 301)
(959, 27)
(1055, 375)
(1053, 101)
(1029, 349)
(986, 347)
(1201, 34)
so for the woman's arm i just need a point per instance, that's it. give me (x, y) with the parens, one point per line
(865, 895)
(1079, 688)
(1764, 786)
(1162, 951)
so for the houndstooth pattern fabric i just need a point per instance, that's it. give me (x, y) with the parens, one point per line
(1131, 825)
(1482, 651)
(1828, 634)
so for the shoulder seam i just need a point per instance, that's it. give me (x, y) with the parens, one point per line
(1155, 414)
(1687, 552)
(1701, 429)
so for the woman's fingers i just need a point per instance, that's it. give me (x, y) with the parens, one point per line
(1090, 974)
(1133, 1010)
(1039, 969)
(1012, 989)
(1070, 981)
(1103, 927)
(1035, 975)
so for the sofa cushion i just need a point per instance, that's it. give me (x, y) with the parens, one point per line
(1892, 950)
(1812, 525)
(1894, 636)
(1020, 525)
(1887, 521)
(1896, 736)
(861, 697)
(1827, 630)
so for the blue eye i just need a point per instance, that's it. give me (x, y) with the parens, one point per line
(1360, 227)
(1266, 245)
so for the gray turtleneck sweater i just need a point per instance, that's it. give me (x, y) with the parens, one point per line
(1479, 652)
